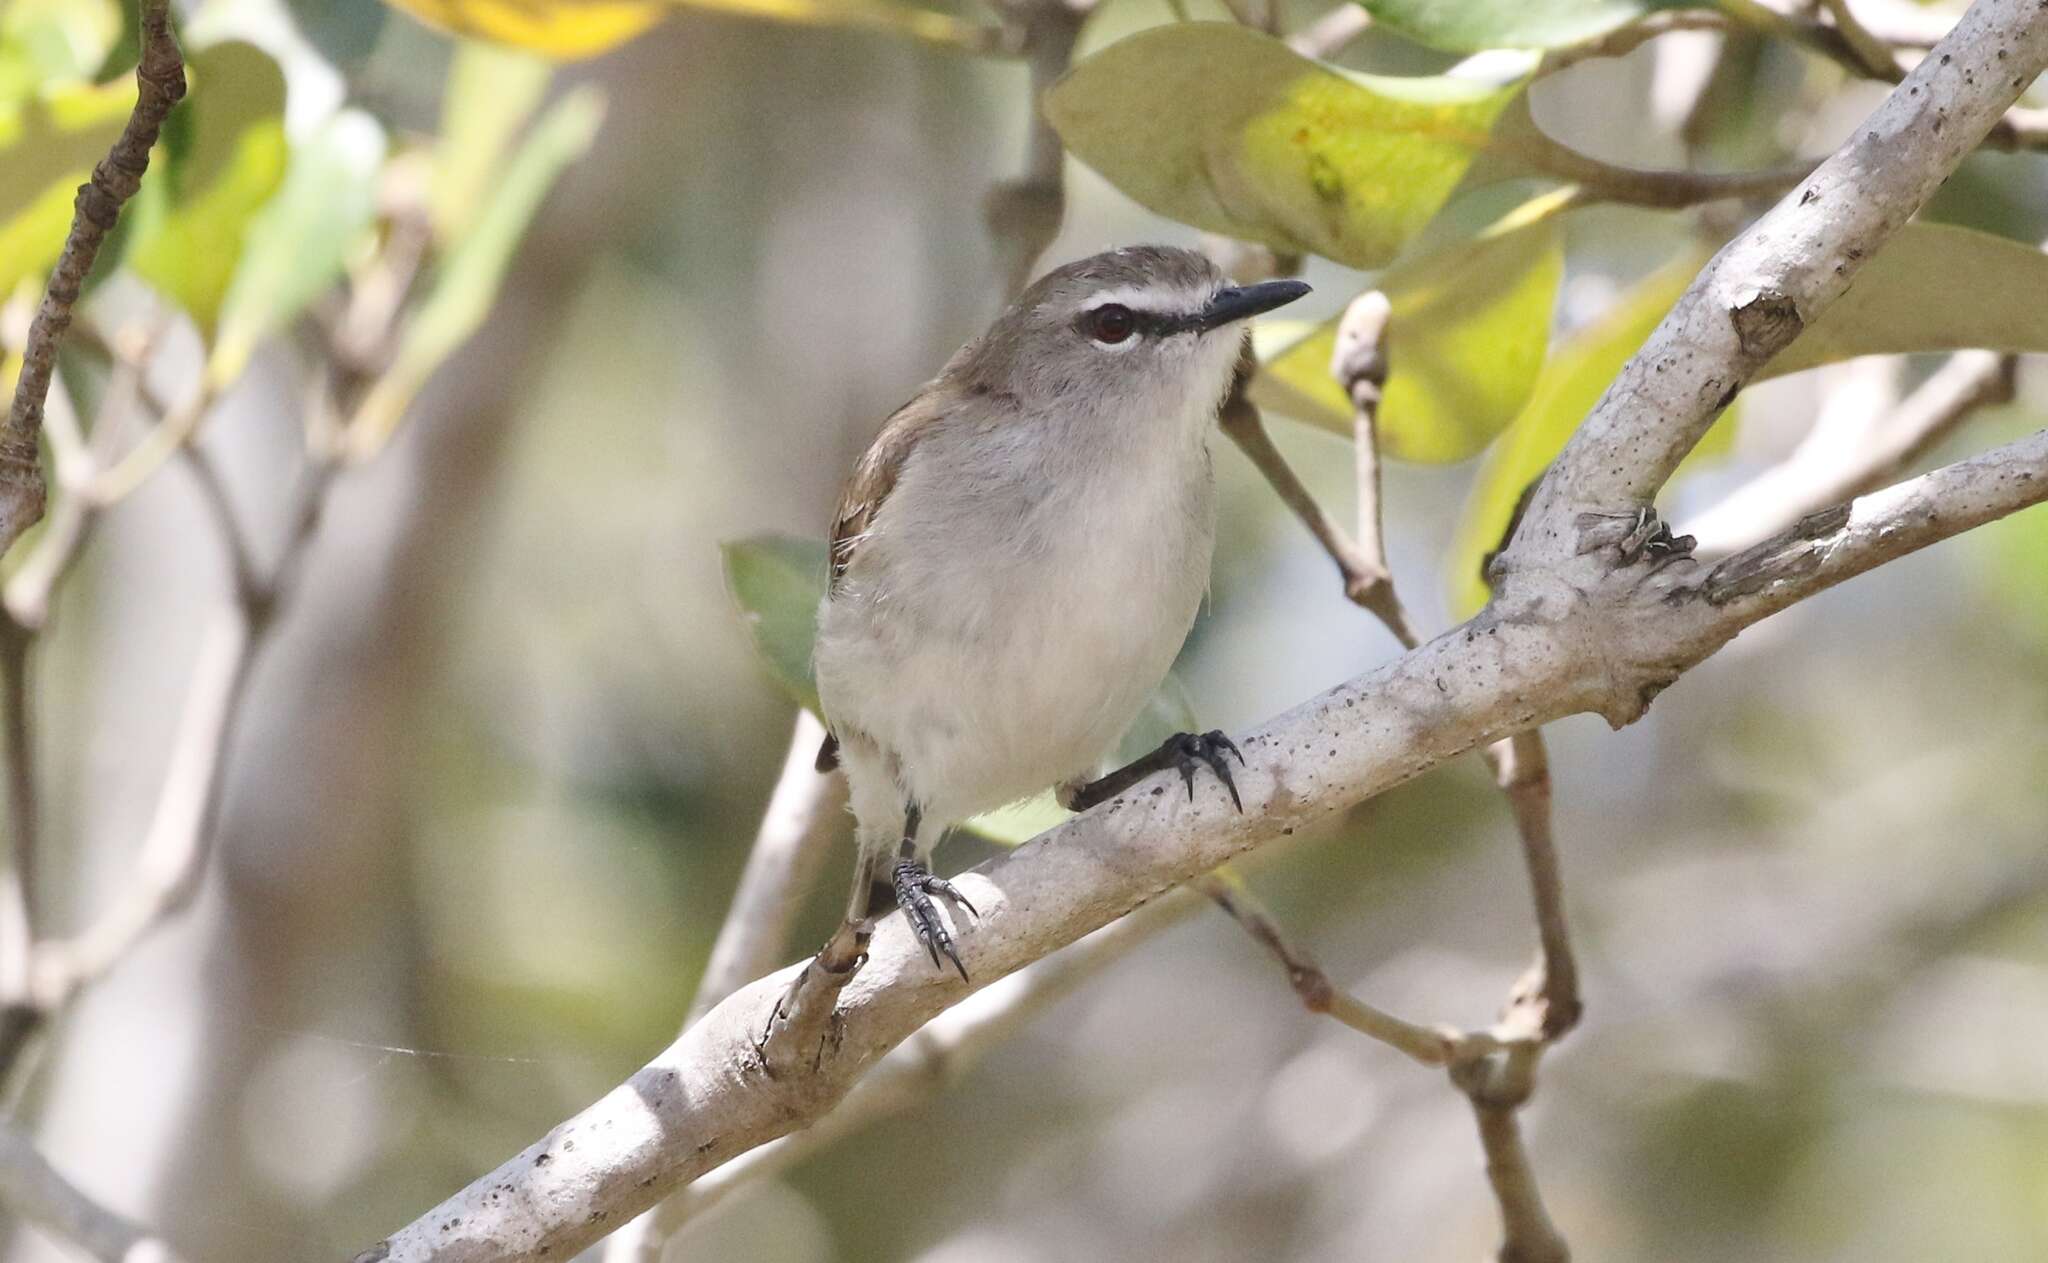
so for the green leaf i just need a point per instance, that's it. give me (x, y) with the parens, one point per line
(490, 94)
(776, 582)
(188, 233)
(467, 284)
(1932, 288)
(1575, 376)
(1469, 26)
(1231, 131)
(1465, 340)
(296, 246)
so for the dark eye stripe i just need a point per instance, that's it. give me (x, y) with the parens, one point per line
(1148, 324)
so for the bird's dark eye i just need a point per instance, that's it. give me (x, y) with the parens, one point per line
(1110, 323)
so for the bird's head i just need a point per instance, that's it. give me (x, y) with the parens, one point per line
(1145, 330)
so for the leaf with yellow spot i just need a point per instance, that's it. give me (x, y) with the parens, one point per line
(1232, 131)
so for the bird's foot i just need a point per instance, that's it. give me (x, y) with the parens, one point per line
(915, 886)
(1183, 752)
(1637, 535)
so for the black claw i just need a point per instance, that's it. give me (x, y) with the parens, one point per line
(1207, 750)
(1183, 752)
(915, 886)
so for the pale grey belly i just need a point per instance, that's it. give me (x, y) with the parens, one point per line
(1001, 680)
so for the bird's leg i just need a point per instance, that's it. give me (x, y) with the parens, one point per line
(915, 886)
(1183, 752)
(847, 950)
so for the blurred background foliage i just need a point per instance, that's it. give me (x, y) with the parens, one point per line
(501, 765)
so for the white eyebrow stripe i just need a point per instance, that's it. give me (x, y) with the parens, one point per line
(1165, 299)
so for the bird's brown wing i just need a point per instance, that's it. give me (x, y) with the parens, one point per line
(873, 478)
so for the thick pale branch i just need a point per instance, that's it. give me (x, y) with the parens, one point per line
(1824, 548)
(715, 1094)
(942, 1051)
(1777, 277)
(803, 813)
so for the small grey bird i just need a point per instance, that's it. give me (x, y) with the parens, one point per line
(1018, 558)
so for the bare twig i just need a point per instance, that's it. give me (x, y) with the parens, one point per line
(1359, 363)
(17, 882)
(1496, 1070)
(160, 82)
(1241, 421)
(1625, 39)
(174, 849)
(1318, 994)
(1603, 181)
(1875, 55)
(1527, 1233)
(1847, 454)
(32, 1191)
(1521, 768)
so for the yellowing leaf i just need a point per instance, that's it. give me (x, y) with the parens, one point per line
(1465, 341)
(563, 29)
(467, 284)
(1230, 130)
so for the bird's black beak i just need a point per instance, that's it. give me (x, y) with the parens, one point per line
(1241, 302)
